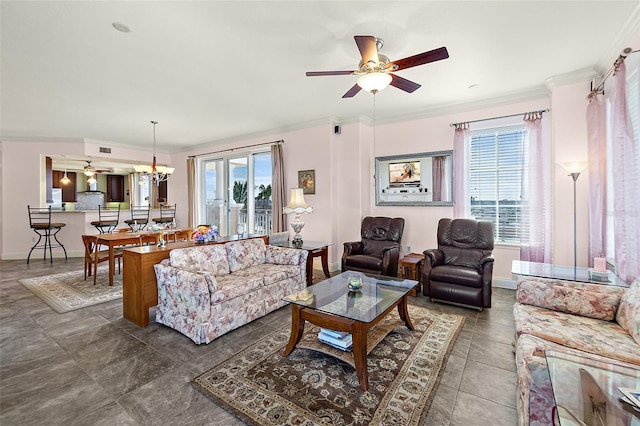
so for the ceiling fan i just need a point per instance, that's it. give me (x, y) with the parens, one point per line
(376, 70)
(89, 170)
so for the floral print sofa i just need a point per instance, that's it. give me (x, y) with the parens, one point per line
(573, 317)
(207, 291)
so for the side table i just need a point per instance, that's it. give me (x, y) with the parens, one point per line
(410, 266)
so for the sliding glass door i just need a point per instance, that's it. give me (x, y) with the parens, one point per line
(236, 193)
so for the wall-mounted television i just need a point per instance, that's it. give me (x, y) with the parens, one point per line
(407, 172)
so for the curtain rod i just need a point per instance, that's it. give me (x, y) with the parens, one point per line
(502, 116)
(239, 147)
(620, 59)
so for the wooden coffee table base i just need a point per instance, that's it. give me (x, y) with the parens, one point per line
(359, 330)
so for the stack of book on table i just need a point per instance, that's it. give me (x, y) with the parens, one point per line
(602, 276)
(338, 339)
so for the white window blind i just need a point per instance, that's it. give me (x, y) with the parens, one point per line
(496, 159)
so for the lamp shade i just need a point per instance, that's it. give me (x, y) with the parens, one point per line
(374, 81)
(296, 203)
(574, 166)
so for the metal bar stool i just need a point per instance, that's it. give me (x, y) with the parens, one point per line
(167, 215)
(107, 219)
(40, 222)
(139, 217)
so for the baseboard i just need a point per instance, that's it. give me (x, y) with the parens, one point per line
(503, 283)
(37, 254)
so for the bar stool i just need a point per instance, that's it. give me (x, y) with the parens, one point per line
(167, 215)
(40, 222)
(139, 217)
(107, 219)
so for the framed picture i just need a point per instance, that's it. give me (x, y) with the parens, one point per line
(307, 181)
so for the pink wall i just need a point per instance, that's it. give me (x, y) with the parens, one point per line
(344, 166)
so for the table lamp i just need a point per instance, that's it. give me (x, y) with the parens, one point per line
(298, 206)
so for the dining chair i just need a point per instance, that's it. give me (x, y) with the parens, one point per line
(94, 256)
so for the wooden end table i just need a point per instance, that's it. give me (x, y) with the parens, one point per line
(412, 264)
(315, 249)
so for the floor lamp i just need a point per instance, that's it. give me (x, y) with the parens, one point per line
(574, 169)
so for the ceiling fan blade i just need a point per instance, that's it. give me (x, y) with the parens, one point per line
(421, 59)
(352, 92)
(320, 73)
(367, 48)
(404, 84)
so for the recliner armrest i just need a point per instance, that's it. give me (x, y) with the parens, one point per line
(434, 257)
(354, 247)
(484, 261)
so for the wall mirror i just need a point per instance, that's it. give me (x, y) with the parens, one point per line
(421, 179)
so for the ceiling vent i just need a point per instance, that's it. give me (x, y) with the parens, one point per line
(105, 150)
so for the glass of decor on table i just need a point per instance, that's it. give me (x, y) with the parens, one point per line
(205, 234)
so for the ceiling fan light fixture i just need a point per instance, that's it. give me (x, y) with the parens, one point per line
(375, 81)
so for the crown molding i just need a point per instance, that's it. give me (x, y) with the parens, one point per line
(578, 76)
(458, 107)
(36, 139)
(621, 41)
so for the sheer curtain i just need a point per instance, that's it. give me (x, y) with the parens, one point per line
(438, 170)
(597, 149)
(461, 201)
(536, 218)
(191, 191)
(278, 196)
(626, 182)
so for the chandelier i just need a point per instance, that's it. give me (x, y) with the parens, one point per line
(154, 172)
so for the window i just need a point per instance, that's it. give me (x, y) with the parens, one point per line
(496, 158)
(236, 193)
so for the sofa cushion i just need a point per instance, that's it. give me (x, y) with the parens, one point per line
(231, 286)
(628, 315)
(245, 253)
(591, 335)
(282, 255)
(588, 300)
(269, 273)
(210, 258)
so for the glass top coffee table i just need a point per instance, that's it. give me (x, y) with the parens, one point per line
(330, 304)
(586, 392)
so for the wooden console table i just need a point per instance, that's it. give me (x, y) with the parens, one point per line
(139, 287)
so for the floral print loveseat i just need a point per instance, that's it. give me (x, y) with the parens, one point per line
(571, 317)
(207, 291)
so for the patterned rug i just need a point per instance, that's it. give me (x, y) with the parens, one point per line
(69, 291)
(262, 387)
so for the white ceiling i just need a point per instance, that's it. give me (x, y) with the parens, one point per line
(210, 71)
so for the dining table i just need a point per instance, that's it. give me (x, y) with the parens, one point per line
(119, 238)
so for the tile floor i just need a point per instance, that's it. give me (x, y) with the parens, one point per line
(92, 367)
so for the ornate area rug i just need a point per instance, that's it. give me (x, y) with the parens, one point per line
(309, 387)
(69, 291)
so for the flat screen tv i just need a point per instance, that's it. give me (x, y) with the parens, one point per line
(407, 172)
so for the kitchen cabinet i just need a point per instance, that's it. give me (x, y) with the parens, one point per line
(69, 190)
(115, 188)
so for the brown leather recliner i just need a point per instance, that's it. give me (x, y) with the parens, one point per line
(378, 251)
(461, 268)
